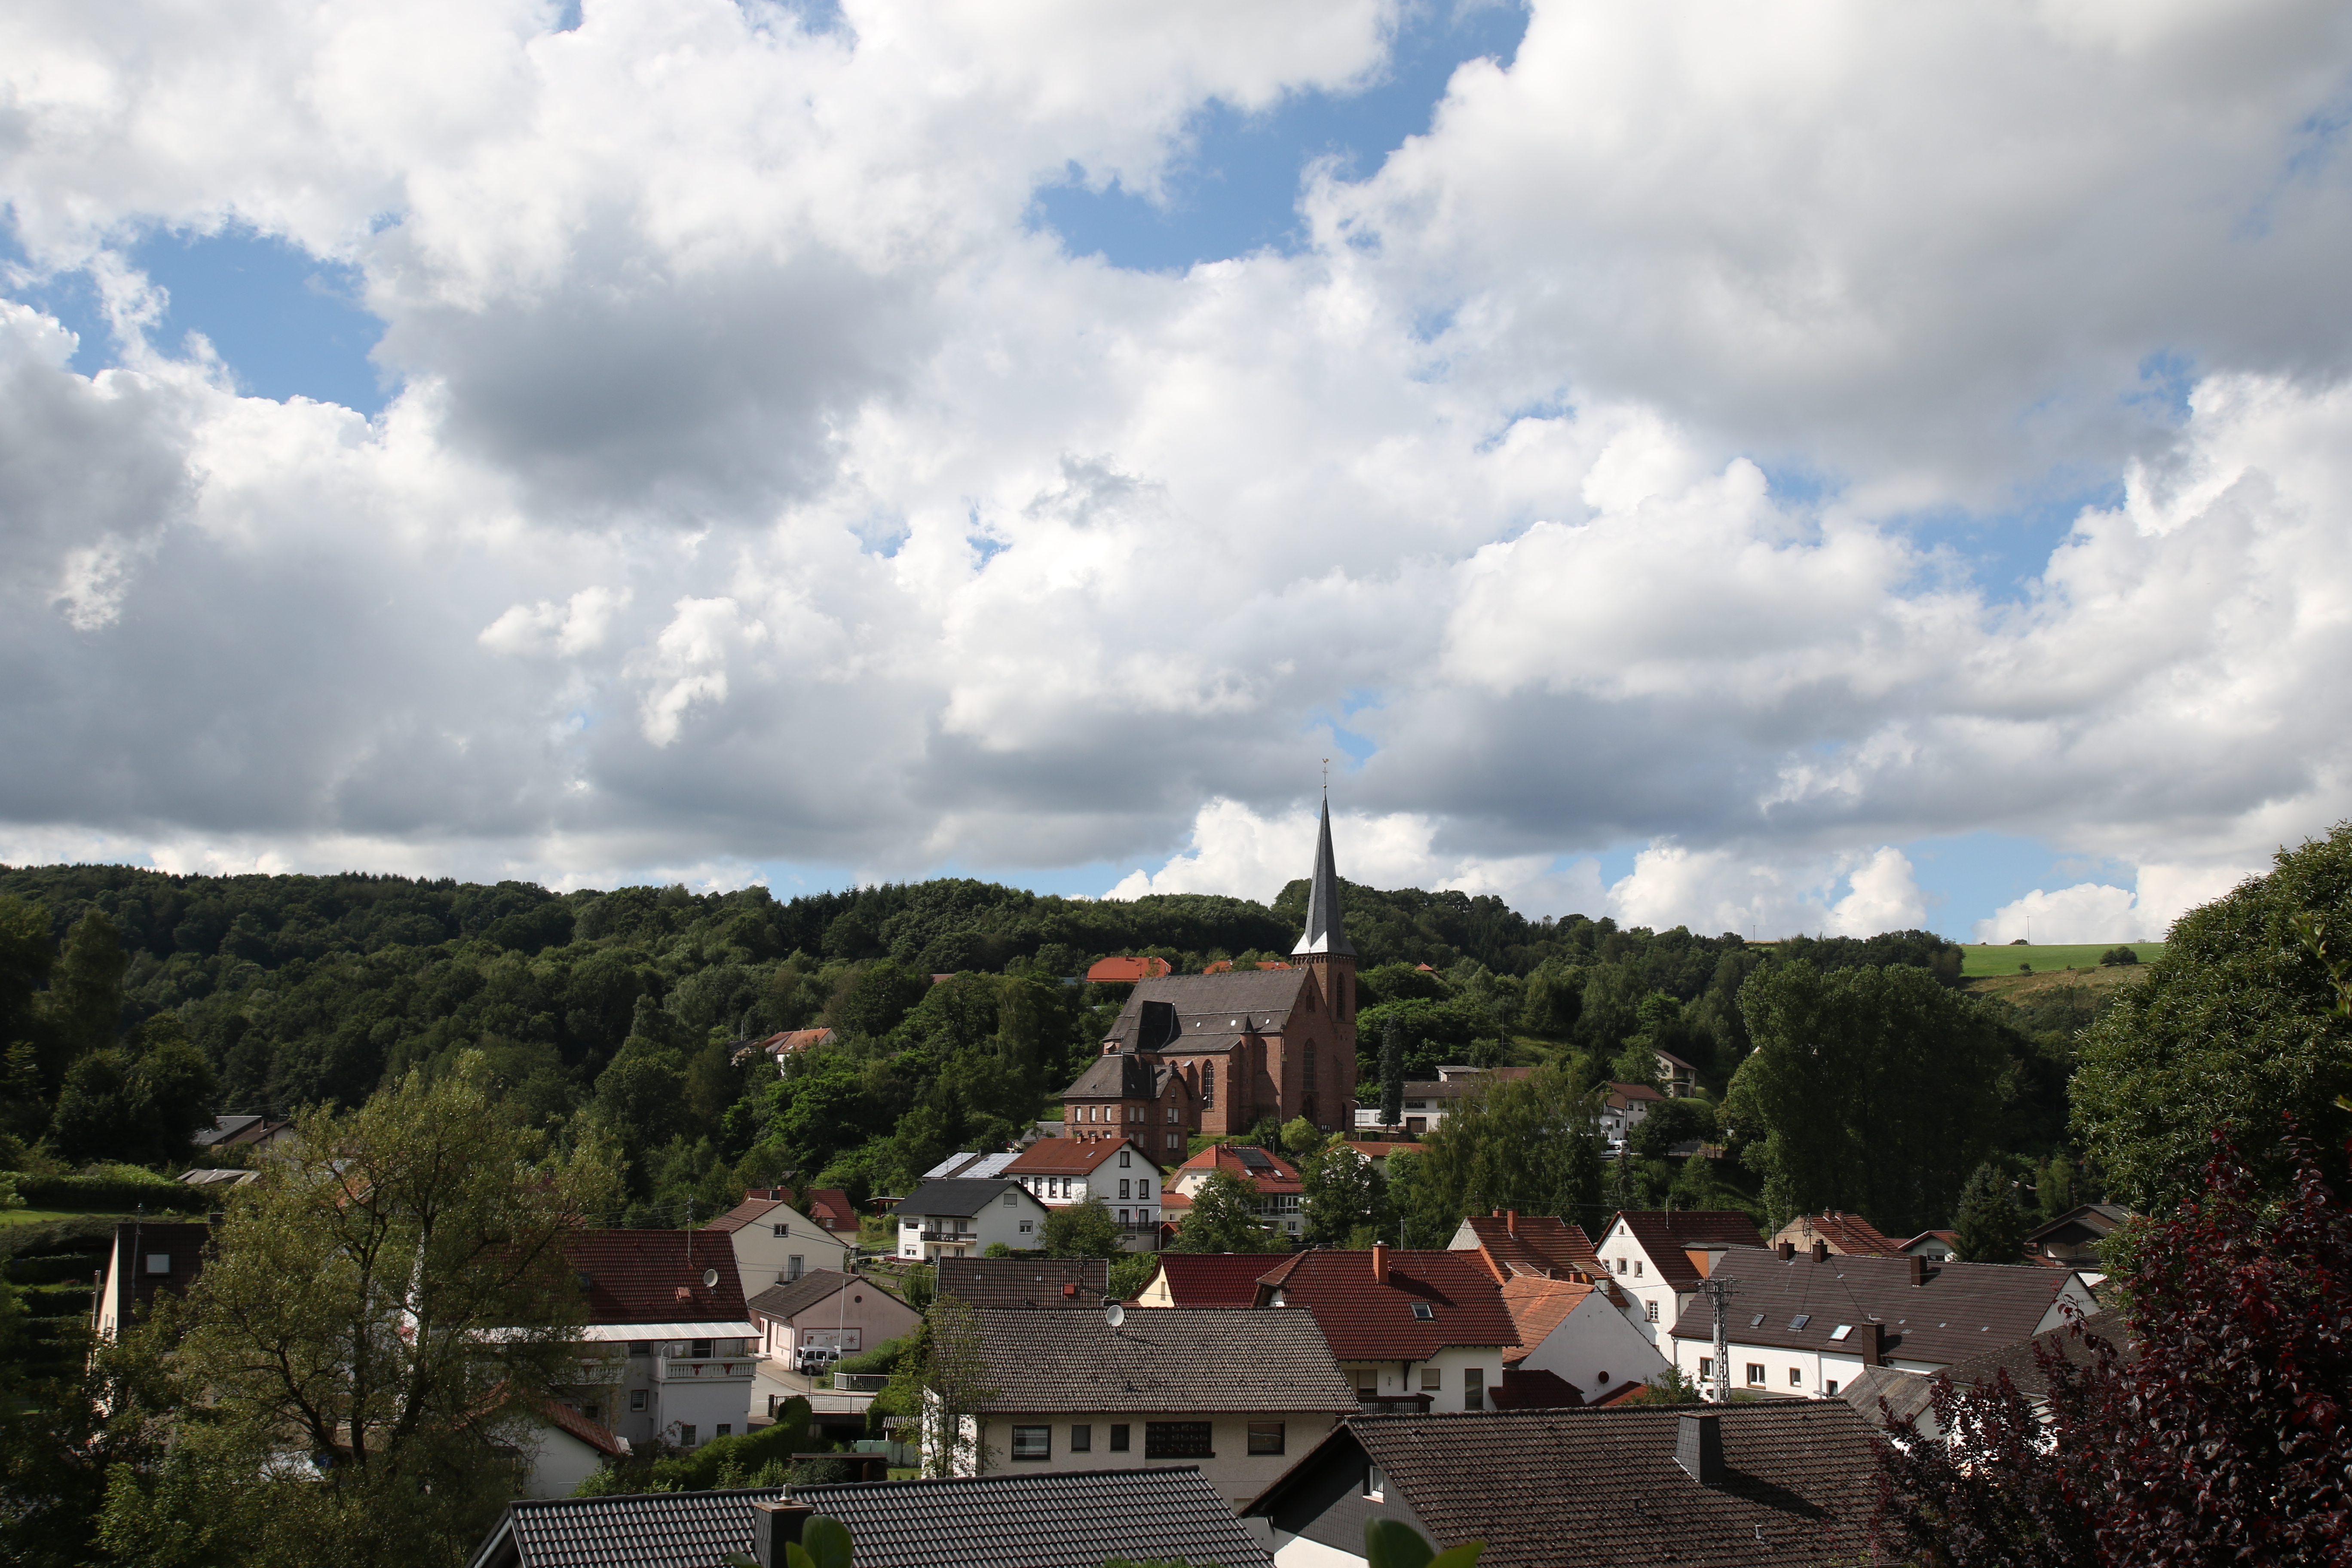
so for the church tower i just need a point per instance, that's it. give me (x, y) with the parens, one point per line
(1328, 1097)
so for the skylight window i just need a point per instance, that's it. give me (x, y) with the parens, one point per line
(1840, 1330)
(1756, 1321)
(1420, 1309)
(1801, 1320)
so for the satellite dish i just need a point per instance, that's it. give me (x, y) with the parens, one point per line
(1114, 1314)
(710, 1277)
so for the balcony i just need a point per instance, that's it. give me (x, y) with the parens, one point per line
(949, 1235)
(703, 1369)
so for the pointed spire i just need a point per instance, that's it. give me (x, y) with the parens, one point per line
(1323, 933)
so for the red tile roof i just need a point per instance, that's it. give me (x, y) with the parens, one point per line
(1846, 1232)
(1368, 1318)
(595, 1434)
(1535, 1244)
(1212, 1278)
(1535, 1390)
(1264, 1172)
(1070, 1156)
(1113, 970)
(656, 1277)
(1537, 1307)
(830, 1208)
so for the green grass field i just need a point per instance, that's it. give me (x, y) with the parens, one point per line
(1985, 961)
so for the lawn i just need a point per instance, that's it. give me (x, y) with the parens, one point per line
(1984, 962)
(39, 1216)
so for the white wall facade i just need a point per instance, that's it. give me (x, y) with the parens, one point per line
(1652, 1305)
(782, 1245)
(1126, 1182)
(1595, 1348)
(1236, 1473)
(1449, 1367)
(1011, 1218)
(682, 1391)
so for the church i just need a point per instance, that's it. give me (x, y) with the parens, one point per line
(1220, 1053)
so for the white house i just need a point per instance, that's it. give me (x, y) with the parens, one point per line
(561, 1448)
(1569, 1330)
(1657, 1259)
(775, 1243)
(958, 1218)
(1058, 1172)
(1808, 1324)
(669, 1350)
(1625, 1107)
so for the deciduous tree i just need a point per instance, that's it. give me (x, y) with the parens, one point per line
(1224, 1218)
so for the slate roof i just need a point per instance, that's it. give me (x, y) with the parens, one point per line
(1173, 1360)
(2089, 1222)
(1800, 1486)
(1213, 1279)
(959, 1198)
(664, 1530)
(655, 1277)
(1031, 1280)
(1211, 1004)
(2024, 1368)
(1962, 1310)
(1323, 932)
(1070, 1519)
(1123, 1076)
(1366, 1320)
(795, 1296)
(1074, 1156)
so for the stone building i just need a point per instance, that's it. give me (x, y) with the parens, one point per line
(1220, 1053)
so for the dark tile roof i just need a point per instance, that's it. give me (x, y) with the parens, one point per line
(752, 1210)
(1718, 1228)
(1213, 1279)
(2088, 1223)
(1174, 1359)
(133, 1289)
(1907, 1395)
(1963, 1310)
(2024, 1368)
(1801, 1483)
(1366, 1319)
(799, 1295)
(656, 1276)
(1120, 1076)
(1207, 1004)
(1069, 1519)
(1027, 1282)
(663, 1529)
(959, 1198)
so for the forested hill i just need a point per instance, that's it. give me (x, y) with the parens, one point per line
(308, 990)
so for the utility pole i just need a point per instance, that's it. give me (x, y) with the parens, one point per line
(1718, 1293)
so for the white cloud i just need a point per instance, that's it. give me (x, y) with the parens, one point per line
(764, 489)
(2099, 911)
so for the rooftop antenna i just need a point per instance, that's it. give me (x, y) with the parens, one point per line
(1718, 1293)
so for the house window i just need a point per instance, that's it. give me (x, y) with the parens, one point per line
(1637, 1269)
(1175, 1139)
(1011, 1198)
(1033, 1442)
(641, 1347)
(1082, 1439)
(1177, 1440)
(591, 1411)
(793, 1267)
(1706, 1368)
(1796, 1378)
(1756, 1373)
(783, 1230)
(1621, 1266)
(1122, 1216)
(724, 1429)
(1474, 1388)
(1832, 1387)
(1172, 1114)
(701, 1350)
(1119, 1437)
(636, 1399)
(1126, 1159)
(1027, 1226)
(1432, 1380)
(1208, 1088)
(1652, 1308)
(1265, 1437)
(1374, 1482)
(685, 1436)
(1122, 1190)
(1422, 1311)
(1310, 1069)
(159, 1263)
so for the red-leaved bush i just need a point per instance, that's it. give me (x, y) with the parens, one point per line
(2220, 1439)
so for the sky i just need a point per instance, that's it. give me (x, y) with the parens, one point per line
(1805, 467)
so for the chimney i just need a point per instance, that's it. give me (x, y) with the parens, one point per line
(1511, 1221)
(1874, 1344)
(774, 1526)
(1070, 1290)
(1918, 1268)
(1379, 1263)
(1698, 1447)
(1787, 1250)
(1821, 1251)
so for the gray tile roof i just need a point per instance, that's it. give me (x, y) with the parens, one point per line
(1800, 1484)
(1906, 1394)
(1072, 1519)
(1963, 1309)
(1167, 1359)
(662, 1529)
(1121, 1077)
(960, 1199)
(799, 1295)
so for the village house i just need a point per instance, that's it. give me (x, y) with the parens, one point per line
(1935, 1246)
(1219, 1053)
(1207, 1279)
(774, 1242)
(1240, 1394)
(1622, 1108)
(826, 1314)
(1281, 1191)
(1678, 1078)
(1574, 1347)
(1427, 1330)
(963, 1217)
(781, 1048)
(671, 1347)
(1512, 1243)
(1759, 1485)
(1910, 1395)
(148, 1257)
(1026, 1518)
(1845, 1235)
(1658, 1259)
(2072, 1239)
(1806, 1325)
(1033, 1281)
(1059, 1171)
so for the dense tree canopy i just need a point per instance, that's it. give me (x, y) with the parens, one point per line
(2233, 1025)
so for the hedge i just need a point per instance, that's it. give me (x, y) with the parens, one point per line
(121, 1188)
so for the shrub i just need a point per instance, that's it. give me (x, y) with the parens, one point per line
(2116, 957)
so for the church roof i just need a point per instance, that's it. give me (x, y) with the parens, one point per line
(1323, 932)
(1211, 1009)
(1120, 1076)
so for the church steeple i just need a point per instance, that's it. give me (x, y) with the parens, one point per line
(1323, 933)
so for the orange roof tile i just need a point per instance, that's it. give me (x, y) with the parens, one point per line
(1116, 970)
